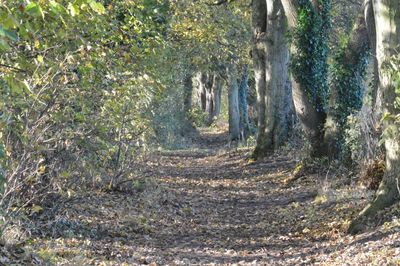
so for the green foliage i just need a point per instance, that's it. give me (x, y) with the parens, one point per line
(347, 85)
(211, 35)
(347, 80)
(76, 89)
(198, 117)
(309, 62)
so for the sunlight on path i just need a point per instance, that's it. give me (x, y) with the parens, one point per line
(206, 205)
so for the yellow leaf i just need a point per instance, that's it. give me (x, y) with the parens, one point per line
(41, 169)
(36, 208)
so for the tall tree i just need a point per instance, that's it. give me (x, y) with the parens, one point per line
(309, 24)
(216, 91)
(243, 105)
(347, 85)
(233, 101)
(387, 22)
(201, 80)
(259, 25)
(271, 58)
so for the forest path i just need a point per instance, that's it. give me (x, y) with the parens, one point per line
(205, 205)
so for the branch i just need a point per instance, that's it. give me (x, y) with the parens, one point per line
(13, 68)
(220, 2)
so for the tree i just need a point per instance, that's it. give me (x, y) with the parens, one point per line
(346, 84)
(271, 59)
(243, 105)
(259, 25)
(233, 101)
(309, 22)
(387, 21)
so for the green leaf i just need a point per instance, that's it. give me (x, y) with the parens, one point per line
(8, 34)
(97, 7)
(4, 46)
(73, 9)
(34, 10)
(56, 8)
(9, 22)
(17, 86)
(2, 152)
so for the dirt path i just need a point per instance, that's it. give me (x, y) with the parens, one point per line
(209, 206)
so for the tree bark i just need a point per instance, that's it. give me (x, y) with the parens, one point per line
(216, 91)
(187, 103)
(243, 106)
(271, 54)
(278, 89)
(188, 91)
(209, 98)
(201, 79)
(233, 99)
(259, 26)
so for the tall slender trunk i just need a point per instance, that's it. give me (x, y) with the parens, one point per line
(233, 99)
(371, 28)
(243, 106)
(187, 104)
(209, 78)
(216, 91)
(259, 25)
(187, 94)
(201, 79)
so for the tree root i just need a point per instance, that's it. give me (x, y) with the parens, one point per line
(385, 197)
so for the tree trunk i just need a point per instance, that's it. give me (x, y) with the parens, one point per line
(387, 21)
(216, 91)
(347, 88)
(259, 26)
(271, 58)
(243, 106)
(187, 104)
(201, 79)
(278, 90)
(233, 99)
(312, 120)
(187, 94)
(371, 28)
(209, 98)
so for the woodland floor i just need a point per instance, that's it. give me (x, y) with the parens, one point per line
(210, 205)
